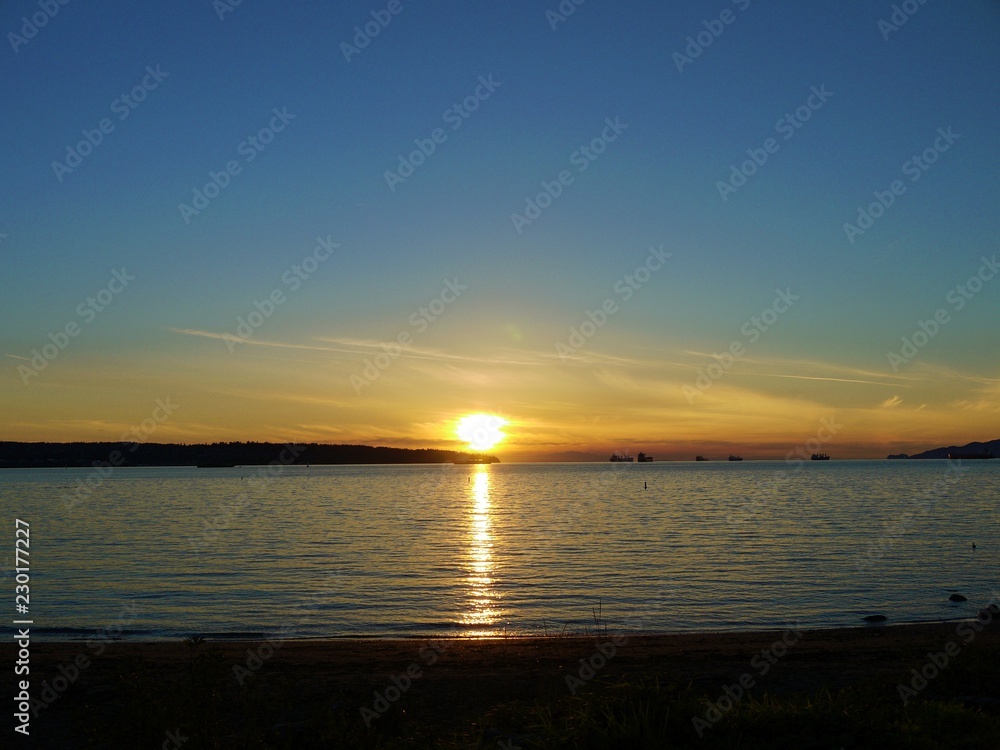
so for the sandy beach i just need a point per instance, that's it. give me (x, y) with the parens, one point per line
(492, 693)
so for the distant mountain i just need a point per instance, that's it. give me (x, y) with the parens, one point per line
(39, 455)
(993, 446)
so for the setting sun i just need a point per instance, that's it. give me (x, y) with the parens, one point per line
(481, 431)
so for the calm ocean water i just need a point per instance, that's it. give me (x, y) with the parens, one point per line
(522, 548)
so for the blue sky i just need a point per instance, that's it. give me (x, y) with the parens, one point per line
(655, 185)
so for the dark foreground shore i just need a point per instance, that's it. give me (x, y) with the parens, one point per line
(924, 685)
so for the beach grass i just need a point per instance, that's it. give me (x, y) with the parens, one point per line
(838, 689)
(619, 714)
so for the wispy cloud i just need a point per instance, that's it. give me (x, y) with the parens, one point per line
(369, 346)
(818, 377)
(858, 375)
(593, 357)
(256, 342)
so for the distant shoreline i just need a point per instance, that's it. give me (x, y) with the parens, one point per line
(507, 462)
(20, 455)
(144, 640)
(670, 462)
(90, 454)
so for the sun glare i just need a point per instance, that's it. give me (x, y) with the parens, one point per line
(481, 431)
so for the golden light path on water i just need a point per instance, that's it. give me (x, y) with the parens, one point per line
(414, 550)
(482, 614)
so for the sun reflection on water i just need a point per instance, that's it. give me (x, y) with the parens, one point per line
(482, 610)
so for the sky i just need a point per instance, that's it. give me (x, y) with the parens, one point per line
(706, 227)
